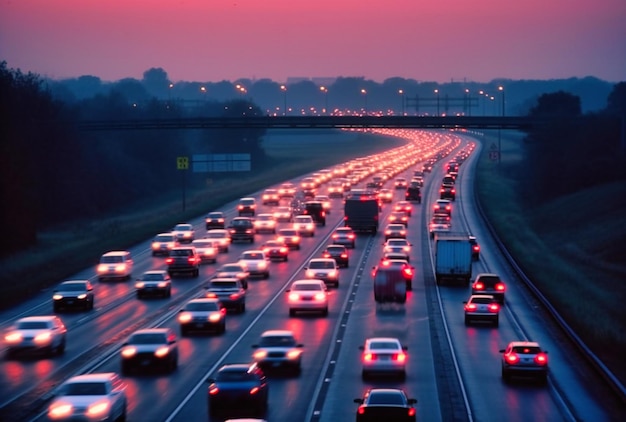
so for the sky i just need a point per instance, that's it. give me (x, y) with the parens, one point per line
(215, 40)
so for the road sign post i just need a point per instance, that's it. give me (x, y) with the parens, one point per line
(182, 163)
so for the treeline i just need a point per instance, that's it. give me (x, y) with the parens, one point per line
(563, 159)
(51, 173)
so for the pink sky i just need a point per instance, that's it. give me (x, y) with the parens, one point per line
(214, 40)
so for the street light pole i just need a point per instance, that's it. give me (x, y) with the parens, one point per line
(325, 91)
(284, 89)
(364, 92)
(437, 94)
(401, 92)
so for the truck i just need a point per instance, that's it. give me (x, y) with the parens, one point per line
(453, 257)
(361, 211)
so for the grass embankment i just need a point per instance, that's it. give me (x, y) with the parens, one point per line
(65, 250)
(571, 247)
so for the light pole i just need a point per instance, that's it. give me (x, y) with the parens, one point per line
(437, 94)
(401, 92)
(468, 104)
(364, 92)
(284, 89)
(325, 91)
(501, 89)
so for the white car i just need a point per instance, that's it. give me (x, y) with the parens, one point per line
(36, 334)
(383, 355)
(283, 214)
(324, 269)
(325, 200)
(265, 223)
(90, 397)
(256, 262)
(221, 236)
(115, 265)
(398, 248)
(184, 232)
(163, 244)
(278, 349)
(307, 295)
(304, 225)
(207, 249)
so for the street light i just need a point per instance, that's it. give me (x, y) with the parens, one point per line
(364, 92)
(325, 91)
(437, 93)
(501, 89)
(284, 89)
(401, 92)
(468, 103)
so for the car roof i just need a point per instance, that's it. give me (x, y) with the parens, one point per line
(372, 339)
(524, 344)
(116, 253)
(96, 377)
(321, 260)
(152, 331)
(40, 318)
(203, 300)
(155, 272)
(272, 333)
(308, 281)
(74, 282)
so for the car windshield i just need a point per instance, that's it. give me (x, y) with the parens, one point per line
(277, 341)
(223, 285)
(84, 389)
(164, 238)
(231, 268)
(490, 280)
(241, 223)
(317, 265)
(306, 287)
(153, 277)
(303, 220)
(333, 250)
(202, 306)
(288, 232)
(111, 259)
(32, 325)
(148, 338)
(252, 255)
(234, 376)
(482, 300)
(527, 350)
(389, 345)
(215, 235)
(202, 243)
(183, 227)
(215, 215)
(72, 287)
(180, 252)
(386, 398)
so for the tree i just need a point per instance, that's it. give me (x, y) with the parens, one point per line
(557, 104)
(156, 82)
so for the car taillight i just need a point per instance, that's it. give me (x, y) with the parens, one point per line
(319, 296)
(400, 357)
(351, 236)
(361, 410)
(479, 286)
(541, 359)
(411, 411)
(169, 260)
(213, 390)
(368, 357)
(476, 248)
(344, 255)
(512, 358)
(500, 287)
(254, 390)
(283, 250)
(234, 296)
(326, 255)
(494, 307)
(470, 307)
(191, 259)
(408, 272)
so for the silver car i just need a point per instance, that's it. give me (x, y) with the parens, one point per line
(36, 334)
(90, 397)
(278, 349)
(383, 355)
(307, 295)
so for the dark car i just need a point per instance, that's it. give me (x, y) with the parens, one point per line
(154, 283)
(239, 388)
(389, 284)
(246, 206)
(385, 404)
(150, 348)
(241, 228)
(339, 253)
(413, 193)
(215, 220)
(316, 210)
(489, 284)
(229, 291)
(447, 191)
(524, 358)
(73, 294)
(183, 259)
(401, 266)
(202, 314)
(475, 248)
(276, 250)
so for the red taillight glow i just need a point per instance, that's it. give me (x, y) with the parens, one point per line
(400, 357)
(494, 307)
(368, 357)
(512, 358)
(254, 390)
(213, 390)
(541, 359)
(479, 286)
(411, 411)
(361, 410)
(169, 260)
(500, 287)
(470, 307)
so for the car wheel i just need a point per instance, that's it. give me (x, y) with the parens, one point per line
(138, 295)
(242, 308)
(409, 286)
(467, 320)
(61, 347)
(126, 369)
(266, 275)
(222, 328)
(173, 364)
(505, 375)
(364, 375)
(169, 293)
(325, 312)
(402, 375)
(496, 322)
(55, 308)
(292, 312)
(91, 305)
(285, 259)
(183, 331)
(196, 272)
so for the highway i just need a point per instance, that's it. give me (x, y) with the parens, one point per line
(453, 370)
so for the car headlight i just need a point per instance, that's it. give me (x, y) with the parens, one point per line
(293, 354)
(161, 351)
(98, 408)
(43, 338)
(59, 410)
(184, 317)
(82, 296)
(57, 296)
(129, 351)
(260, 354)
(13, 337)
(140, 285)
(162, 285)
(215, 317)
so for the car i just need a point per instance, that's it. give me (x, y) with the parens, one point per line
(385, 196)
(184, 232)
(404, 206)
(163, 243)
(398, 217)
(229, 291)
(307, 295)
(90, 397)
(202, 314)
(390, 282)
(183, 259)
(427, 167)
(448, 179)
(207, 250)
(150, 348)
(239, 388)
(413, 193)
(73, 294)
(287, 190)
(270, 197)
(246, 207)
(439, 224)
(221, 236)
(283, 214)
(275, 250)
(154, 283)
(395, 231)
(401, 266)
(400, 183)
(344, 236)
(324, 269)
(234, 270)
(475, 248)
(265, 223)
(255, 262)
(524, 358)
(289, 237)
(278, 349)
(447, 191)
(215, 220)
(115, 265)
(304, 225)
(442, 206)
(325, 200)
(482, 308)
(36, 334)
(335, 189)
(339, 253)
(316, 210)
(383, 355)
(385, 404)
(418, 179)
(241, 228)
(402, 247)
(489, 284)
